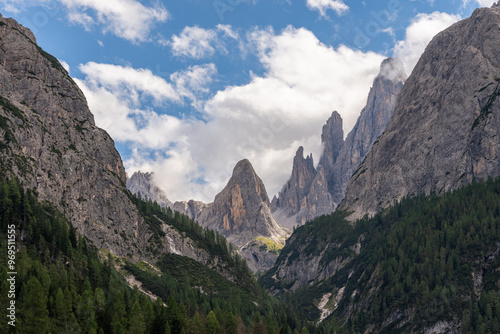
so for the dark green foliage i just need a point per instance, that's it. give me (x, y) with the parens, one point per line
(212, 242)
(65, 288)
(416, 265)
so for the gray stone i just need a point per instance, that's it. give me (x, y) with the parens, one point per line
(445, 129)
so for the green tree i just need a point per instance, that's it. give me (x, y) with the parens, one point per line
(137, 325)
(231, 323)
(213, 326)
(33, 313)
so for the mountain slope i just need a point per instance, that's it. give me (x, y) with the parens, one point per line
(241, 212)
(314, 192)
(444, 131)
(50, 143)
(371, 123)
(427, 265)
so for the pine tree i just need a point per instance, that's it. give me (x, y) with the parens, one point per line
(231, 323)
(213, 326)
(33, 311)
(137, 325)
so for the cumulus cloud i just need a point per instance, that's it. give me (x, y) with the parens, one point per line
(482, 3)
(420, 32)
(117, 95)
(128, 19)
(129, 83)
(338, 6)
(194, 42)
(265, 120)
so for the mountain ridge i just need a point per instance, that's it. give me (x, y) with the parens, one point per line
(443, 131)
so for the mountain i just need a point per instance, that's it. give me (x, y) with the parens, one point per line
(424, 260)
(49, 143)
(371, 123)
(445, 129)
(427, 265)
(314, 192)
(241, 212)
(142, 183)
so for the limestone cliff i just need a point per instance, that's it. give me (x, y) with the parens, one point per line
(50, 143)
(371, 123)
(445, 129)
(241, 212)
(143, 183)
(311, 193)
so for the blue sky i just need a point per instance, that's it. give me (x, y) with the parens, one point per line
(187, 88)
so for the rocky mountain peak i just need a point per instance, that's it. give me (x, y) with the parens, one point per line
(332, 137)
(310, 193)
(371, 123)
(246, 179)
(241, 211)
(445, 128)
(143, 183)
(392, 69)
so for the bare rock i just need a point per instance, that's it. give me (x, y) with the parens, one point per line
(445, 129)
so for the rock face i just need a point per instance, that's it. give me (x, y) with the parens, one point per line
(305, 195)
(311, 193)
(50, 143)
(48, 139)
(143, 183)
(241, 212)
(371, 123)
(445, 129)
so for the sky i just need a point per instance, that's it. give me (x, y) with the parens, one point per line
(187, 88)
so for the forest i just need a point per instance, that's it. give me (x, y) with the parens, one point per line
(64, 285)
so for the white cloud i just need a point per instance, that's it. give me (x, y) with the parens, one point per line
(338, 6)
(420, 32)
(194, 42)
(482, 3)
(265, 120)
(228, 31)
(129, 83)
(128, 19)
(16, 6)
(64, 65)
(194, 81)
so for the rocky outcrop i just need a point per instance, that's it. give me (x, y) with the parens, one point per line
(311, 193)
(49, 141)
(191, 208)
(305, 195)
(241, 212)
(142, 183)
(445, 129)
(371, 123)
(332, 139)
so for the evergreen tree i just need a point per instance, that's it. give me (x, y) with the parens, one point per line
(137, 325)
(213, 326)
(34, 316)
